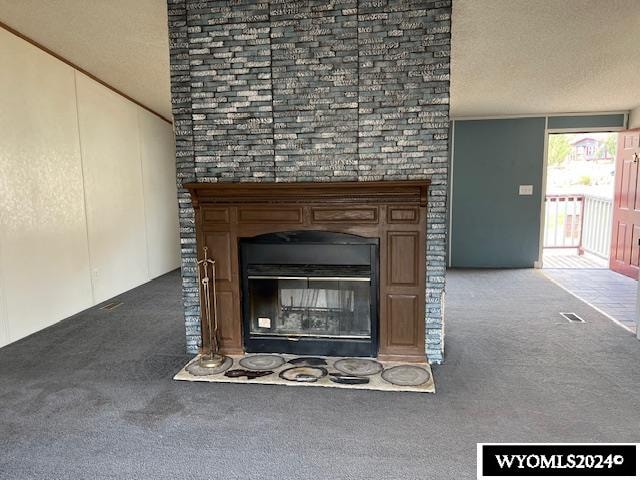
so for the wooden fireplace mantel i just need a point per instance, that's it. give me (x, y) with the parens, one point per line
(334, 192)
(393, 211)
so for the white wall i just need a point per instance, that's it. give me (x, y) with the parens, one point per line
(159, 183)
(44, 260)
(113, 189)
(88, 203)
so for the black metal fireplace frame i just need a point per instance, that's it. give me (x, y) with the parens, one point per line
(260, 249)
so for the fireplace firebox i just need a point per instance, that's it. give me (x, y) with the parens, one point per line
(310, 292)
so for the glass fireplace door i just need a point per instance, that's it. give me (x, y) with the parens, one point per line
(310, 293)
(319, 307)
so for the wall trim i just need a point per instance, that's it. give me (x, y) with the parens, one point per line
(540, 115)
(543, 194)
(450, 201)
(79, 69)
(587, 130)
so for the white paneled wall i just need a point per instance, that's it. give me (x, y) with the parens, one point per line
(87, 192)
(43, 237)
(159, 182)
(113, 189)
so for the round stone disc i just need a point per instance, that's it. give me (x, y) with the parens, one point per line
(358, 366)
(262, 362)
(195, 369)
(303, 374)
(406, 375)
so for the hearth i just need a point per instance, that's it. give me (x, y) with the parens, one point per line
(335, 372)
(310, 292)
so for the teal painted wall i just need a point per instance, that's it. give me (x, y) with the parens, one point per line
(615, 120)
(492, 226)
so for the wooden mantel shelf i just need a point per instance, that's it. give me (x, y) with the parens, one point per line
(411, 191)
(395, 212)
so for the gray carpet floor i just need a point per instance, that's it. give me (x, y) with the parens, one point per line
(92, 397)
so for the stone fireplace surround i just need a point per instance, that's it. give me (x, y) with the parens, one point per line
(313, 91)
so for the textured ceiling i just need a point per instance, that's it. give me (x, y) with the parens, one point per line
(122, 42)
(509, 57)
(544, 56)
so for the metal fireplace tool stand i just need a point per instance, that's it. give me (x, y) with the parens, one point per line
(211, 358)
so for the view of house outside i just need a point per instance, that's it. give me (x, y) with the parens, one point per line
(581, 163)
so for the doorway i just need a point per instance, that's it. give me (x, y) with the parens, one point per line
(579, 199)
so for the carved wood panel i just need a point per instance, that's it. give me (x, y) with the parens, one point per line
(227, 319)
(403, 258)
(215, 215)
(269, 215)
(345, 215)
(402, 311)
(403, 215)
(219, 245)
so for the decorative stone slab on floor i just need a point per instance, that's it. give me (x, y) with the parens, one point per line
(376, 382)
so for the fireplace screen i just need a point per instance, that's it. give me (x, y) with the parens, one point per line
(310, 293)
(310, 306)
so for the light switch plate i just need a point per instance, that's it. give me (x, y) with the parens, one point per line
(264, 322)
(526, 190)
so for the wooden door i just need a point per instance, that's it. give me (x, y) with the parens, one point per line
(625, 241)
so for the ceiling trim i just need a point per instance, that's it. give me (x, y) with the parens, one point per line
(80, 69)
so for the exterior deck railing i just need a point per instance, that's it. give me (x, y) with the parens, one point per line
(578, 221)
(563, 221)
(596, 225)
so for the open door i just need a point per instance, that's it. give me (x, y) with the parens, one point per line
(625, 241)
